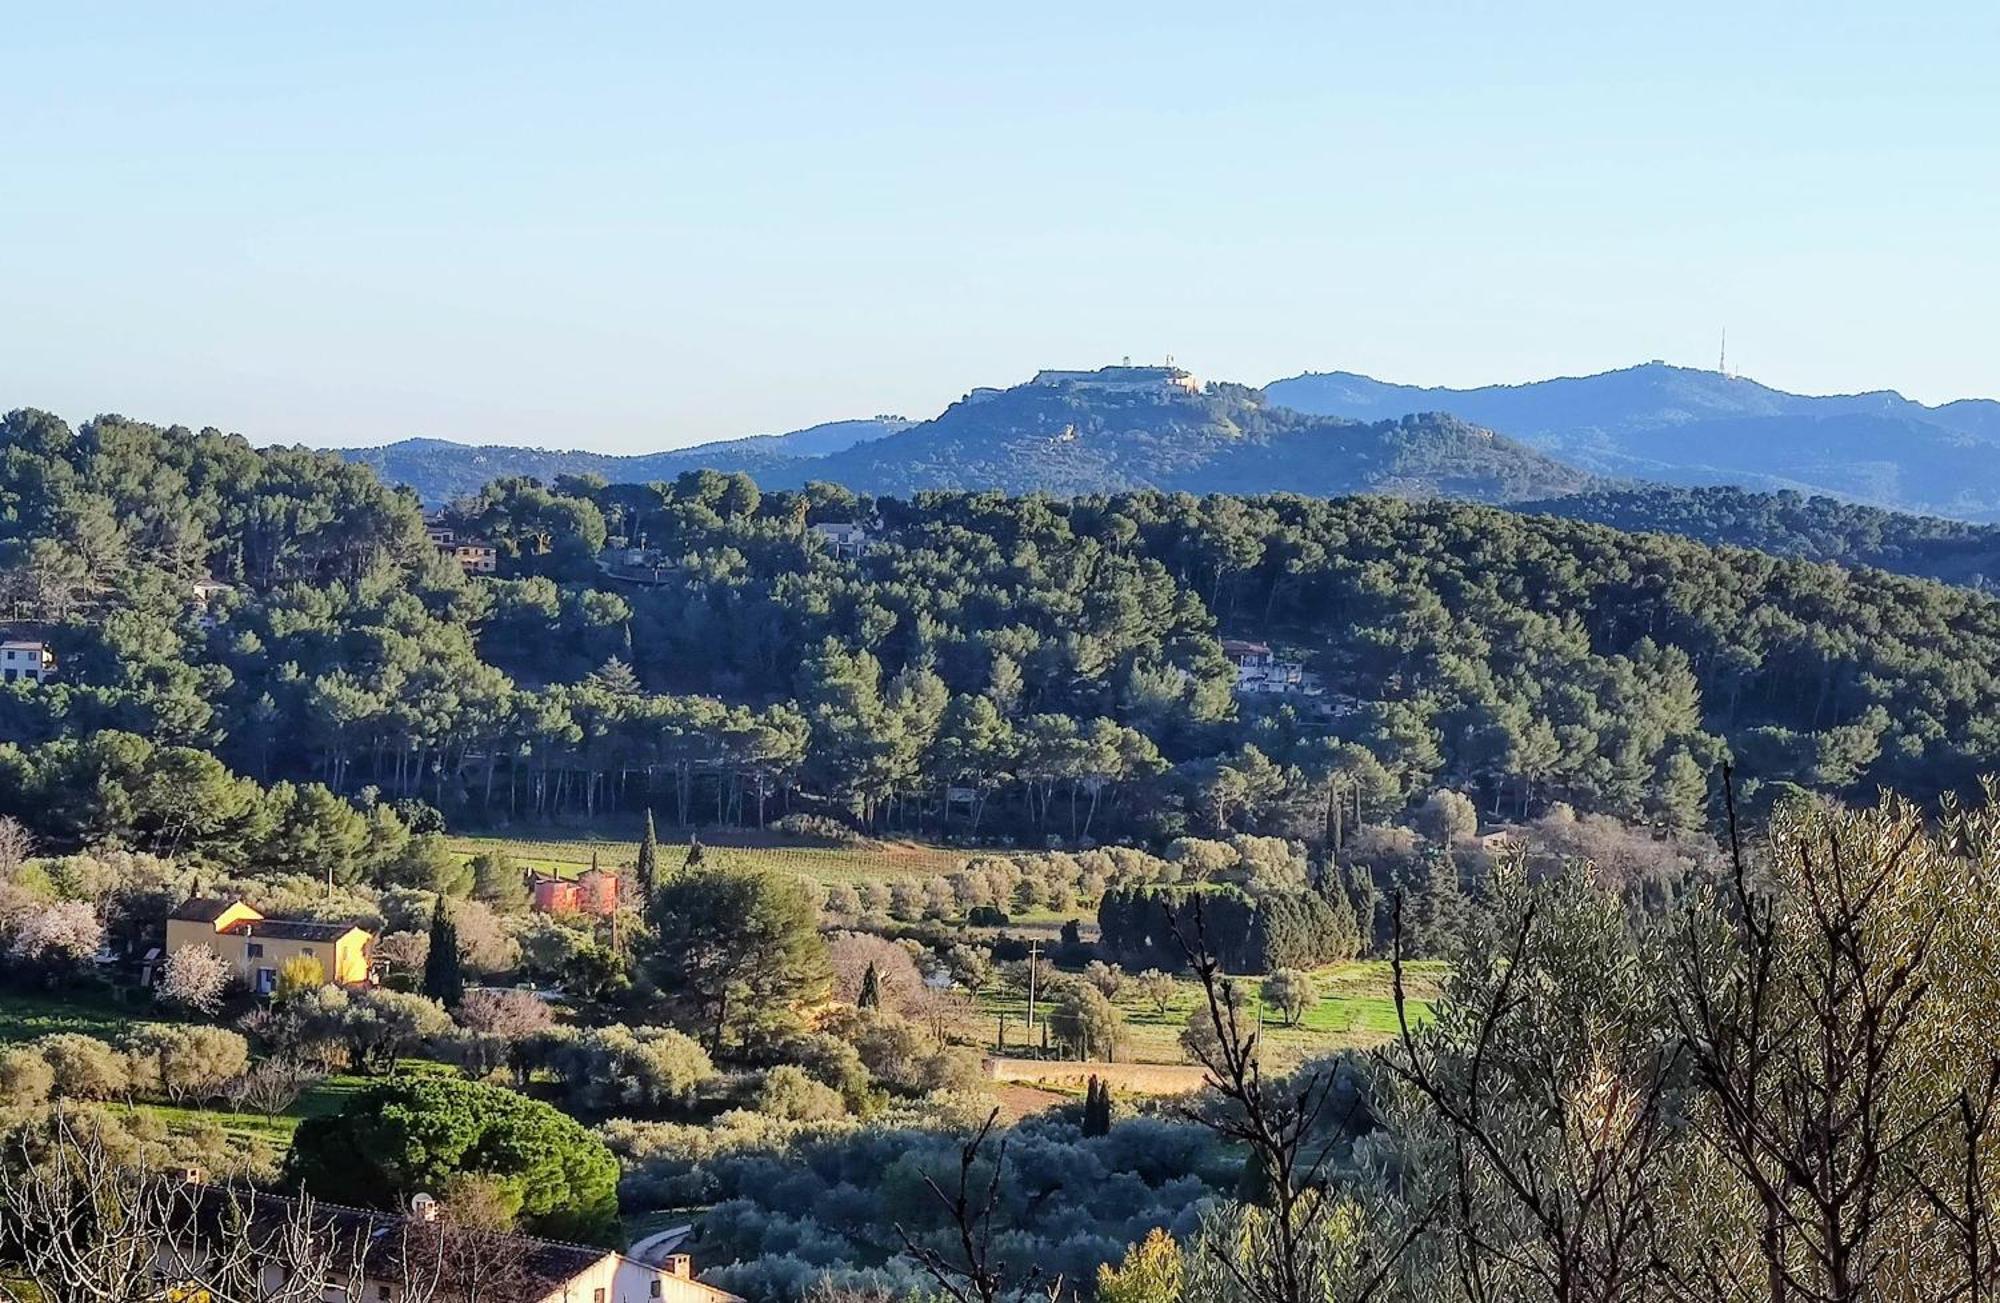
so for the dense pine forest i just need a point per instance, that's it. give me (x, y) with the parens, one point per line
(984, 666)
(1793, 524)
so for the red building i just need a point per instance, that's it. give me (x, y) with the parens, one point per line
(594, 893)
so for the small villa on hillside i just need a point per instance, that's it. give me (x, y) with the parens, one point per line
(257, 947)
(475, 555)
(844, 538)
(25, 654)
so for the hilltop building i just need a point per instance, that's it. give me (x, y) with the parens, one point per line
(257, 947)
(1160, 380)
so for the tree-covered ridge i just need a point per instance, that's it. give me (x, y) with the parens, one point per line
(1064, 440)
(986, 665)
(1791, 524)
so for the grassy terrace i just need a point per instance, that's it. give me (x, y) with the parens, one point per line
(1357, 1010)
(92, 1012)
(823, 864)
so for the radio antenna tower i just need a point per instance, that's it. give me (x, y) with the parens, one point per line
(1722, 363)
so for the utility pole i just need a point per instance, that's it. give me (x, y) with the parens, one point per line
(1034, 953)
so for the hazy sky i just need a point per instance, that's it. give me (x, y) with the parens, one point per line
(635, 226)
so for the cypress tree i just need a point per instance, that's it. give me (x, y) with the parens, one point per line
(648, 869)
(871, 989)
(444, 979)
(1097, 1108)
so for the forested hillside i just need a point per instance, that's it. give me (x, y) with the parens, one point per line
(1793, 525)
(1056, 663)
(1065, 440)
(1062, 440)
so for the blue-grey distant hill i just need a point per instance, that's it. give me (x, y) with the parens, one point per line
(440, 470)
(1065, 437)
(1693, 427)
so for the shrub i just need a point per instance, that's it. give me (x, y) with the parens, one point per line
(1086, 1022)
(1292, 992)
(25, 1077)
(832, 1062)
(633, 1067)
(296, 976)
(818, 827)
(185, 1062)
(84, 1067)
(789, 1094)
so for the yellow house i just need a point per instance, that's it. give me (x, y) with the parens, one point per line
(257, 947)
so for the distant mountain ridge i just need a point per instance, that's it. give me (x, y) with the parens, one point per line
(1692, 427)
(440, 469)
(1070, 438)
(1064, 433)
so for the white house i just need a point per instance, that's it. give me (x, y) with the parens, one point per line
(1260, 672)
(843, 537)
(25, 655)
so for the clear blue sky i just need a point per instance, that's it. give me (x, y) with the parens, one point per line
(636, 226)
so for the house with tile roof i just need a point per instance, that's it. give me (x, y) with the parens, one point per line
(258, 947)
(389, 1257)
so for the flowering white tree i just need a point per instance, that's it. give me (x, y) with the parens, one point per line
(194, 978)
(63, 935)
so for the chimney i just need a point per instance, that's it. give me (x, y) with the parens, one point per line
(678, 1264)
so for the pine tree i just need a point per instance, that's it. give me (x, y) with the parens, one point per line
(648, 869)
(871, 989)
(444, 979)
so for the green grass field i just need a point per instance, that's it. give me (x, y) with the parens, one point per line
(825, 865)
(1357, 1011)
(88, 1010)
